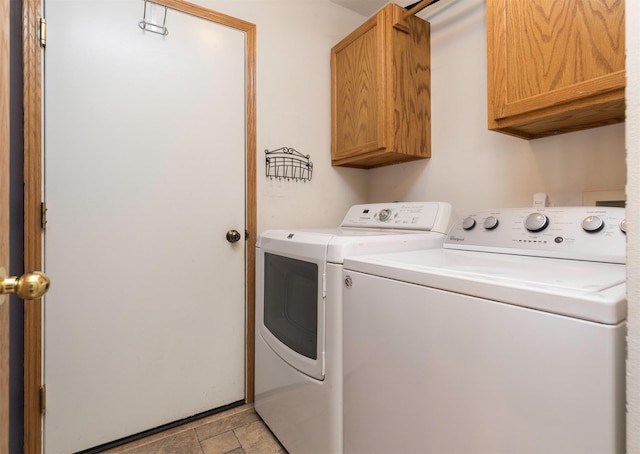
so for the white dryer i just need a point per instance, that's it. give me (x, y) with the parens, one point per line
(298, 366)
(511, 338)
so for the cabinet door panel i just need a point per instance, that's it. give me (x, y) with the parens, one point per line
(410, 94)
(555, 45)
(558, 64)
(359, 118)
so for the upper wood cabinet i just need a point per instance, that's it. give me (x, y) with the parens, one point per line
(380, 92)
(555, 66)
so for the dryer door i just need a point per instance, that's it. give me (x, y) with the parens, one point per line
(290, 299)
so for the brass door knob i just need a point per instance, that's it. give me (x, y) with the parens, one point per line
(29, 286)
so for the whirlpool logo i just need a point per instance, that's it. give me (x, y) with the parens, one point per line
(456, 238)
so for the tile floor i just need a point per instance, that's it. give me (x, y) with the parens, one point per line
(236, 431)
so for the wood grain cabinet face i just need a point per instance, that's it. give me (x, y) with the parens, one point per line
(380, 93)
(554, 66)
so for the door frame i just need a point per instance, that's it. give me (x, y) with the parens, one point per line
(33, 198)
(4, 220)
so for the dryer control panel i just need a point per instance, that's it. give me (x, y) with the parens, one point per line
(432, 216)
(580, 233)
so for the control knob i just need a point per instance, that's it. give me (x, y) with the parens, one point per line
(623, 226)
(536, 222)
(468, 223)
(491, 223)
(592, 224)
(384, 214)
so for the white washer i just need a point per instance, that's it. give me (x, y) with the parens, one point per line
(509, 339)
(298, 367)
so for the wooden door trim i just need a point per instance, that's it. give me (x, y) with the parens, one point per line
(32, 105)
(4, 219)
(33, 128)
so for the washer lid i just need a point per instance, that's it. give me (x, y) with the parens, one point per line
(585, 290)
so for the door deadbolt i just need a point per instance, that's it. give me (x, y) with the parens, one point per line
(233, 236)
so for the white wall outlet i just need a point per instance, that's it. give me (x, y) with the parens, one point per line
(540, 200)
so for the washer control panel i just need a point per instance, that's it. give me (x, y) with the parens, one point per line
(434, 216)
(579, 233)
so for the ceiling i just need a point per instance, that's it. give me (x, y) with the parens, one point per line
(368, 7)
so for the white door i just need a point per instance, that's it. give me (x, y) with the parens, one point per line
(144, 175)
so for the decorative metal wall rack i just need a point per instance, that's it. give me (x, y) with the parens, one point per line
(150, 26)
(289, 164)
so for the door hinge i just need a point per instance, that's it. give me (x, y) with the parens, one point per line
(43, 398)
(43, 32)
(43, 215)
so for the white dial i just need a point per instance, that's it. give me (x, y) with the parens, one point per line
(592, 224)
(385, 214)
(491, 223)
(468, 223)
(536, 222)
(623, 226)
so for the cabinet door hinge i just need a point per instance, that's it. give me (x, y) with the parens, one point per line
(43, 398)
(43, 215)
(43, 32)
